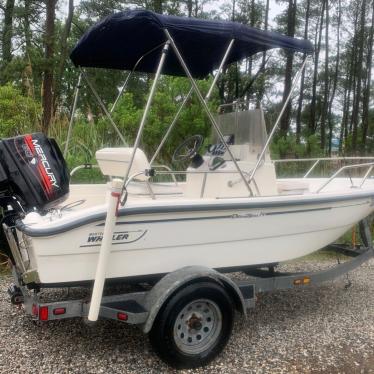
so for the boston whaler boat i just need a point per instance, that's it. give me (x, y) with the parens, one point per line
(229, 213)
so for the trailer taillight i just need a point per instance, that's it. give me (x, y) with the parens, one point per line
(43, 313)
(35, 310)
(59, 311)
(302, 281)
(122, 316)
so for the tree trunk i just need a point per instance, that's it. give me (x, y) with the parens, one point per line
(47, 100)
(157, 6)
(343, 125)
(291, 24)
(356, 108)
(336, 76)
(28, 44)
(327, 75)
(352, 77)
(366, 99)
(302, 82)
(7, 36)
(313, 115)
(261, 90)
(63, 55)
(189, 8)
(349, 94)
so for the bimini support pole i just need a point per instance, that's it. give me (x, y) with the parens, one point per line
(106, 245)
(130, 74)
(146, 110)
(222, 64)
(270, 137)
(100, 102)
(176, 117)
(72, 114)
(121, 92)
(117, 188)
(205, 106)
(175, 120)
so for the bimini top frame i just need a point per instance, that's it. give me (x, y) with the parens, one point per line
(197, 48)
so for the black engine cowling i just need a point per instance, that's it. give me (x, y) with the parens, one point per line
(33, 170)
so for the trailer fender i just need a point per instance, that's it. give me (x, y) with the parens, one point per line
(177, 279)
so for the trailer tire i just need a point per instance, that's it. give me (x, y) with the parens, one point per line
(193, 326)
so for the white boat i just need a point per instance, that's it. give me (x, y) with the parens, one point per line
(226, 211)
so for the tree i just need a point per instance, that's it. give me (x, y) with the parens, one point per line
(366, 95)
(358, 74)
(63, 54)
(291, 26)
(318, 40)
(47, 98)
(7, 35)
(327, 76)
(335, 79)
(302, 81)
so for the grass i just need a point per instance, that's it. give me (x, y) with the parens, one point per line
(323, 255)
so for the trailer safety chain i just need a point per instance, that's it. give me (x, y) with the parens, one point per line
(349, 283)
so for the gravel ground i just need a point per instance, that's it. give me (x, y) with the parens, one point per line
(327, 329)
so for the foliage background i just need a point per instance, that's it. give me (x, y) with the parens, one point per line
(333, 116)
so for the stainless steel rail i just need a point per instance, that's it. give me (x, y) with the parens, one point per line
(271, 135)
(317, 160)
(369, 165)
(180, 172)
(85, 167)
(168, 169)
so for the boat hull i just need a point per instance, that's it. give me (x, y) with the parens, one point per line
(158, 243)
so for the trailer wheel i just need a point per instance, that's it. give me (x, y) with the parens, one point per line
(194, 325)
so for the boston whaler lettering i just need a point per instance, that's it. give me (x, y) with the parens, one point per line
(227, 211)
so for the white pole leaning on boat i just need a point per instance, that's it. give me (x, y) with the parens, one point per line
(106, 245)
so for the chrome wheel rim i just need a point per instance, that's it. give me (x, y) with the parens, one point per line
(197, 326)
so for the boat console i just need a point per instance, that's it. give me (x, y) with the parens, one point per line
(245, 135)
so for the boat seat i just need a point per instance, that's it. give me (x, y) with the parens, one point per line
(114, 162)
(292, 187)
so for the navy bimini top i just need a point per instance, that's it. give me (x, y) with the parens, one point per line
(122, 39)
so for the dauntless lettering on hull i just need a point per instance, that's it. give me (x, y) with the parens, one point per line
(119, 237)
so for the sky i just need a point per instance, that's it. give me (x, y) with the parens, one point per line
(274, 7)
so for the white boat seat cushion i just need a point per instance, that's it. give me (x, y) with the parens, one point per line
(114, 162)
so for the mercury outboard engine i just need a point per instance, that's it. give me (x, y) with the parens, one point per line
(33, 171)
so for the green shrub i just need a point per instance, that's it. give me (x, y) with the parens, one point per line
(18, 114)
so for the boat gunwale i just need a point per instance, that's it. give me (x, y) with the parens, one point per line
(33, 231)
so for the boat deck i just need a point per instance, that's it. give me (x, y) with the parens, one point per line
(91, 195)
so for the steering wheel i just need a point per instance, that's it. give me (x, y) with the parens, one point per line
(188, 149)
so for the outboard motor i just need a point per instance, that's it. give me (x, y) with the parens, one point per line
(33, 170)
